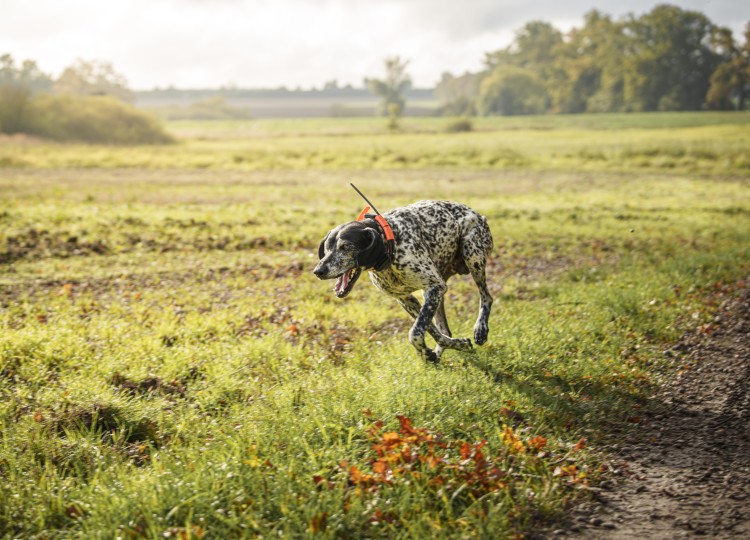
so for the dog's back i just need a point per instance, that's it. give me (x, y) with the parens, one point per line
(450, 232)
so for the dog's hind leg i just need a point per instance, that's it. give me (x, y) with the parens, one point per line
(441, 322)
(475, 249)
(482, 327)
(440, 319)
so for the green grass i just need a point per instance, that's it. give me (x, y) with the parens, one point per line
(696, 143)
(169, 365)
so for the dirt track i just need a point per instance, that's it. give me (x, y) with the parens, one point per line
(685, 470)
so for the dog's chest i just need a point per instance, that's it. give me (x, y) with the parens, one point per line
(397, 282)
(426, 248)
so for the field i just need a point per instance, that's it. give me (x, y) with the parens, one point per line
(170, 367)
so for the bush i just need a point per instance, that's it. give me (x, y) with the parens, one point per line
(213, 108)
(509, 90)
(93, 119)
(14, 100)
(461, 106)
(459, 125)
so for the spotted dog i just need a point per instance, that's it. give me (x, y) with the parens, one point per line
(433, 240)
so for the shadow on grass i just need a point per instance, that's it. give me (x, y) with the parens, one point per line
(572, 403)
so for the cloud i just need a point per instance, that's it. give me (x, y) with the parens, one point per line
(204, 43)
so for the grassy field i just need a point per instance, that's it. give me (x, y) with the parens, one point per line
(169, 367)
(711, 143)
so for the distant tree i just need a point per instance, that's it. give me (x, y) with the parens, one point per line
(93, 78)
(730, 83)
(510, 90)
(458, 94)
(17, 85)
(534, 50)
(27, 75)
(535, 47)
(391, 89)
(14, 101)
(587, 72)
(668, 60)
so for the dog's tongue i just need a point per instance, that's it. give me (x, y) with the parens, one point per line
(342, 282)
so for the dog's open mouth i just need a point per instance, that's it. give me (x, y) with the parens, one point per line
(345, 282)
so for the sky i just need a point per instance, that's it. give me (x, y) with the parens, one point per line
(292, 43)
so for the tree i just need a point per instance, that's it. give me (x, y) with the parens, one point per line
(27, 75)
(535, 47)
(458, 94)
(391, 90)
(587, 72)
(17, 84)
(93, 78)
(510, 90)
(730, 83)
(14, 101)
(668, 60)
(534, 51)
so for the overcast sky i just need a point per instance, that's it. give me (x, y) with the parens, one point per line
(270, 43)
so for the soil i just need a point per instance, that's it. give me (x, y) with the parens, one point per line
(684, 471)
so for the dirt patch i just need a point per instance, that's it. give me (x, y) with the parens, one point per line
(685, 469)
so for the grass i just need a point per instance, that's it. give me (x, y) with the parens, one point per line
(169, 367)
(710, 143)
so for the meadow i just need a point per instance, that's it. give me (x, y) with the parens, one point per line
(170, 367)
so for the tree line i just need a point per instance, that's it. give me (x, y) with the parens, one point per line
(668, 59)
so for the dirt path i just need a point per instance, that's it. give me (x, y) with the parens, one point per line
(685, 471)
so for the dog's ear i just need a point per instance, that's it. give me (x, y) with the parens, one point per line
(374, 249)
(321, 248)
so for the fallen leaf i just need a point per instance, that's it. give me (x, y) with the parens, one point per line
(537, 442)
(319, 522)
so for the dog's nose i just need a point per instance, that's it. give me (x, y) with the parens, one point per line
(319, 271)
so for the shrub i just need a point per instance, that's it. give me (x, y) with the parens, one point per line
(14, 100)
(92, 119)
(459, 125)
(509, 90)
(212, 108)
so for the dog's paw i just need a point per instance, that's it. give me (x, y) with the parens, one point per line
(430, 356)
(464, 344)
(480, 334)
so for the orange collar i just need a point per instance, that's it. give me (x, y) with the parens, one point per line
(390, 239)
(381, 221)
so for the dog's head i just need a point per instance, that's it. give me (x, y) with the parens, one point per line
(345, 251)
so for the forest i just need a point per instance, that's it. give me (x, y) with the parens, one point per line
(668, 59)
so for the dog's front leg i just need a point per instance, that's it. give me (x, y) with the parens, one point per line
(415, 309)
(423, 321)
(412, 306)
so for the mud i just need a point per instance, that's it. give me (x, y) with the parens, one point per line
(684, 471)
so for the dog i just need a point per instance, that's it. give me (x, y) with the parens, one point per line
(415, 247)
